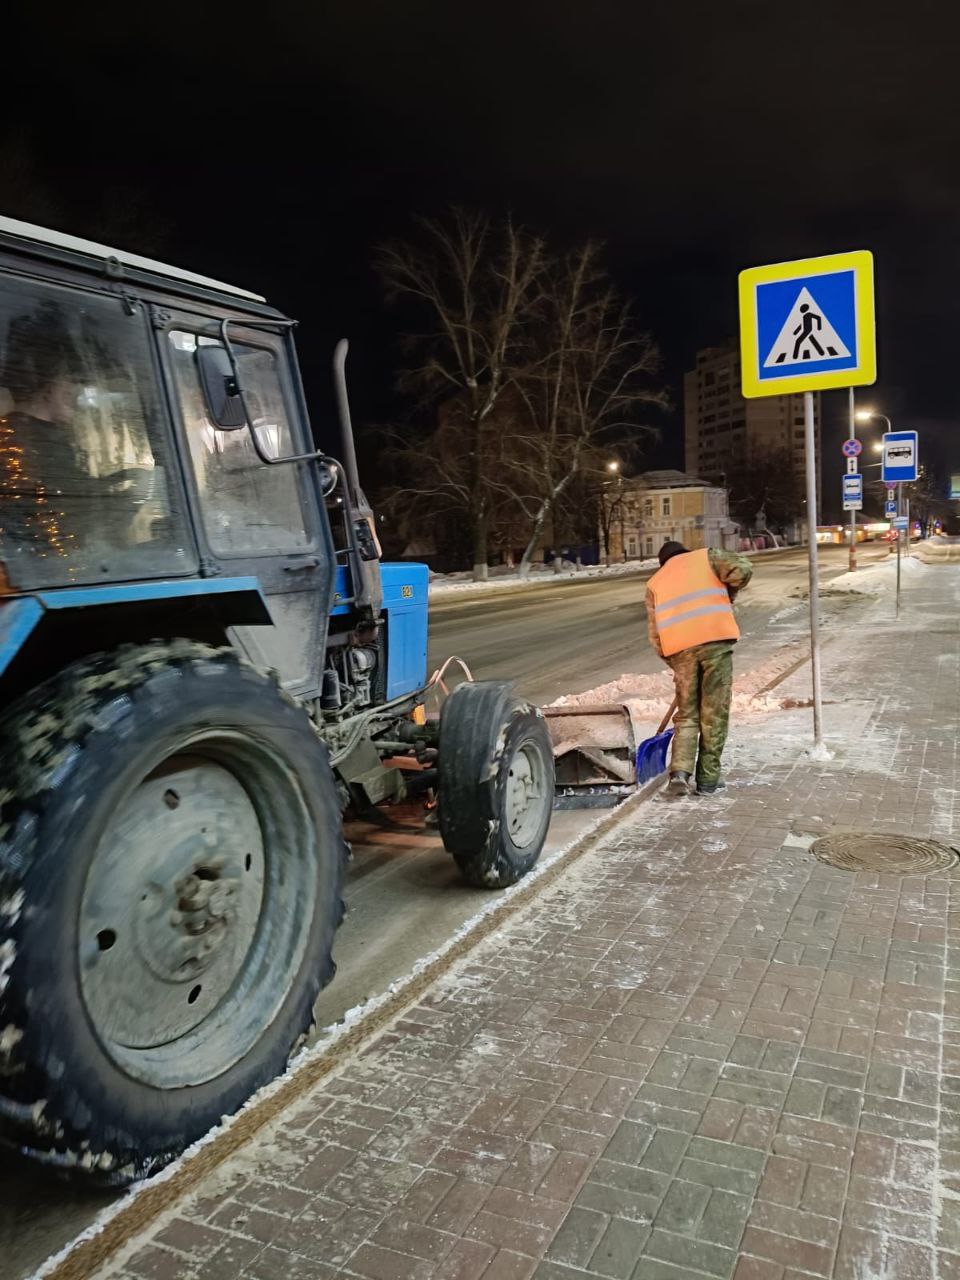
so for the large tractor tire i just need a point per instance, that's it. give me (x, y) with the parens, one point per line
(496, 783)
(170, 872)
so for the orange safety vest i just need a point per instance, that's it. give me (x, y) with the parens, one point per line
(691, 604)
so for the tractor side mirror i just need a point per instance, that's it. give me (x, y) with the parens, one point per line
(221, 392)
(366, 542)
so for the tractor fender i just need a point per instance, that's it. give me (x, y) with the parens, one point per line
(65, 617)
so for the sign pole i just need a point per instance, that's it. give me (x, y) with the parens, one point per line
(853, 515)
(807, 326)
(810, 443)
(899, 539)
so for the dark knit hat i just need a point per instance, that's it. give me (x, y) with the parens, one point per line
(669, 550)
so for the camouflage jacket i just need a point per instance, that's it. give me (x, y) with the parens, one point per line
(733, 570)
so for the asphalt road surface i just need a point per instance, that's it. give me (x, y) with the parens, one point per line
(573, 636)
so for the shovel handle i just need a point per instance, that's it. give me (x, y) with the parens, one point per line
(666, 718)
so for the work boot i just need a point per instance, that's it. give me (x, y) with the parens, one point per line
(710, 788)
(679, 784)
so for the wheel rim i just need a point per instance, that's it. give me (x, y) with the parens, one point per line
(196, 910)
(525, 794)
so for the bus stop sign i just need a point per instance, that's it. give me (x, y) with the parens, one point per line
(900, 457)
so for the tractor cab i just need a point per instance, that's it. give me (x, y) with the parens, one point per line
(118, 465)
(203, 664)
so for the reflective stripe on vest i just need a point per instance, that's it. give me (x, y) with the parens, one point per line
(691, 604)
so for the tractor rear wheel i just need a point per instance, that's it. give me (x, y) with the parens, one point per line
(170, 871)
(496, 783)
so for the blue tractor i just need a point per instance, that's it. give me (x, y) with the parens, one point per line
(203, 664)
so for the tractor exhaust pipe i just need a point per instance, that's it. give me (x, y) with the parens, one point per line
(348, 448)
(364, 543)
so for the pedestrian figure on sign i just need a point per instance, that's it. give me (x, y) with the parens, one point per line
(805, 330)
(691, 626)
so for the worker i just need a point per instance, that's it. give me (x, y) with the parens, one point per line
(691, 626)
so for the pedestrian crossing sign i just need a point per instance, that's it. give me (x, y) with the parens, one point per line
(808, 325)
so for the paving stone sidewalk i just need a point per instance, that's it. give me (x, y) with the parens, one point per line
(705, 1054)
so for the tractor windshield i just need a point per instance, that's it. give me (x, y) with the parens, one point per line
(86, 490)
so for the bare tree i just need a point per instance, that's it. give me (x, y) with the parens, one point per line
(590, 376)
(929, 496)
(765, 489)
(478, 285)
(432, 475)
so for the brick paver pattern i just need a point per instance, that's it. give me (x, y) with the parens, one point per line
(705, 1054)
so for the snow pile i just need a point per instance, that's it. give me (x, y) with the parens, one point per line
(874, 579)
(938, 550)
(636, 689)
(648, 696)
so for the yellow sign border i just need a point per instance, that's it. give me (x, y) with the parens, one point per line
(860, 261)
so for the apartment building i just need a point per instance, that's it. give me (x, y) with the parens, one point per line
(720, 426)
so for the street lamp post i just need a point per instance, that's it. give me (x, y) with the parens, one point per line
(614, 468)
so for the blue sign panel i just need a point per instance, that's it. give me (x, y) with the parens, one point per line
(807, 325)
(853, 492)
(900, 523)
(900, 457)
(890, 508)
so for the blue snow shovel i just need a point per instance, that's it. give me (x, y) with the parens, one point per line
(652, 752)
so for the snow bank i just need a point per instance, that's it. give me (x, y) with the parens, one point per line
(454, 584)
(938, 550)
(872, 580)
(649, 695)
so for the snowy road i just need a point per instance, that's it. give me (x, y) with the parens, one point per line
(568, 638)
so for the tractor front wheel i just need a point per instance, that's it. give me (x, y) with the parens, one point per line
(496, 783)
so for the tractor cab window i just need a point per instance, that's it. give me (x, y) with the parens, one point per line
(86, 491)
(248, 507)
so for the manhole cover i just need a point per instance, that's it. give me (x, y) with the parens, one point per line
(888, 855)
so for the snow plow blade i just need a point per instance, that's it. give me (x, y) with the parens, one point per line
(595, 753)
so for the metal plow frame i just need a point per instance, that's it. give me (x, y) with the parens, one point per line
(595, 752)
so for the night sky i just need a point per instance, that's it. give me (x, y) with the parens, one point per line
(275, 150)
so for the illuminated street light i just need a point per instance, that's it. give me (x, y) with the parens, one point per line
(864, 415)
(613, 466)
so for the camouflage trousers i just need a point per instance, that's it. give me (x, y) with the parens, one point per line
(704, 682)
